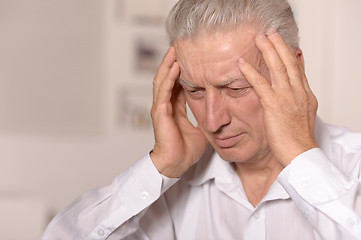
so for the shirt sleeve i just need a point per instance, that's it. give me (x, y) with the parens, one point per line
(329, 200)
(117, 207)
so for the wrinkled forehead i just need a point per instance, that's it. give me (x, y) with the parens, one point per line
(218, 47)
(214, 58)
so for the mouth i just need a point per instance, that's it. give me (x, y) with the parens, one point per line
(227, 142)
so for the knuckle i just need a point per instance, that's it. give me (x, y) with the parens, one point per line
(158, 110)
(152, 112)
(314, 103)
(281, 68)
(293, 62)
(294, 65)
(156, 81)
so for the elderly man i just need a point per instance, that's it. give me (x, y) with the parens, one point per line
(258, 165)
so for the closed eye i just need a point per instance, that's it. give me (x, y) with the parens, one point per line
(193, 92)
(237, 92)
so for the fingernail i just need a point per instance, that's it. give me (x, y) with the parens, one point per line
(169, 49)
(241, 60)
(261, 36)
(270, 31)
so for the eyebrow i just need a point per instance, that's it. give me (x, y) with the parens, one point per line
(232, 80)
(180, 79)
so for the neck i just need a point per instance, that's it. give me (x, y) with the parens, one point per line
(258, 176)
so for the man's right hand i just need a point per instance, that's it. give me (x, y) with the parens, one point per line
(178, 144)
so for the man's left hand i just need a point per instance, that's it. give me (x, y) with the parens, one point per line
(288, 102)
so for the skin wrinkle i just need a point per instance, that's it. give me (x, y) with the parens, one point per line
(232, 81)
(246, 128)
(249, 129)
(209, 64)
(227, 80)
(224, 78)
(207, 79)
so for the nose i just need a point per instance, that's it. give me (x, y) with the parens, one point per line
(217, 114)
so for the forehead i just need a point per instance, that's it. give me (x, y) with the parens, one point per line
(238, 39)
(216, 54)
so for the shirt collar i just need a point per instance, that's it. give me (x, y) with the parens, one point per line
(210, 166)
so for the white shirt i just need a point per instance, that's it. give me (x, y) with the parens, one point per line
(318, 196)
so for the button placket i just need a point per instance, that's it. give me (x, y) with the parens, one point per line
(144, 195)
(101, 233)
(305, 182)
(350, 222)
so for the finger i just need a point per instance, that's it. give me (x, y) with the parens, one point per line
(311, 96)
(163, 70)
(258, 82)
(277, 69)
(288, 58)
(304, 80)
(178, 93)
(164, 94)
(179, 104)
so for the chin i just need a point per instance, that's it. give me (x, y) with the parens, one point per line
(233, 154)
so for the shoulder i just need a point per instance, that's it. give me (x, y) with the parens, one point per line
(344, 138)
(345, 149)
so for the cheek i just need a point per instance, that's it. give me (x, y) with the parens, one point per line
(244, 111)
(250, 112)
(248, 108)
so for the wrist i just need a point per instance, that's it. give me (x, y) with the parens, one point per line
(167, 167)
(292, 152)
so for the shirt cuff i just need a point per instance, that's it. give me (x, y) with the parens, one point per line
(313, 177)
(135, 190)
(166, 181)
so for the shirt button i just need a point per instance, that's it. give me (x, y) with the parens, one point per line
(101, 232)
(256, 215)
(350, 222)
(144, 195)
(305, 182)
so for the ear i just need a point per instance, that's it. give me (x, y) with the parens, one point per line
(299, 56)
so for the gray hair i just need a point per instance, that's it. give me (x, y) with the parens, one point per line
(188, 17)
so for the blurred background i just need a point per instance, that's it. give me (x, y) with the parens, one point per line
(76, 90)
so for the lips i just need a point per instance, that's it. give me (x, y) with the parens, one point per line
(228, 142)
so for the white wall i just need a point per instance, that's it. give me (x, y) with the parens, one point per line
(49, 155)
(64, 66)
(330, 39)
